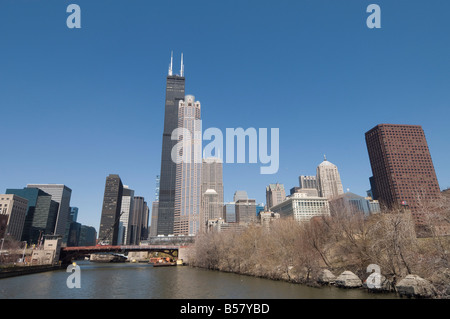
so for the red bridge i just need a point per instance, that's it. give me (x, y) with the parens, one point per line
(70, 253)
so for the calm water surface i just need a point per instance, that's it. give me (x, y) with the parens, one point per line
(142, 281)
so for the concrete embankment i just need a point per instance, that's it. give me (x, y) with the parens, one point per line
(26, 270)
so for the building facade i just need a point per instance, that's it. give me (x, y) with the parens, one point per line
(61, 194)
(239, 195)
(139, 221)
(229, 212)
(15, 208)
(188, 169)
(48, 253)
(302, 207)
(354, 203)
(154, 219)
(88, 236)
(329, 183)
(275, 194)
(219, 226)
(212, 176)
(245, 211)
(126, 210)
(211, 190)
(175, 86)
(112, 202)
(307, 181)
(313, 192)
(402, 168)
(211, 208)
(267, 218)
(41, 214)
(73, 237)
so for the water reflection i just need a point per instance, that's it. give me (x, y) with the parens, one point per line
(142, 281)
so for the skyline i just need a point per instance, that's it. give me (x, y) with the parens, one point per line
(110, 77)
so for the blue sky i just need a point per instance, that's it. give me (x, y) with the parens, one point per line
(79, 104)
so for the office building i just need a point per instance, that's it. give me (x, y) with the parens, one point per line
(353, 203)
(402, 168)
(211, 190)
(245, 211)
(229, 212)
(139, 221)
(302, 207)
(72, 228)
(313, 192)
(73, 215)
(240, 195)
(145, 223)
(88, 236)
(41, 214)
(74, 233)
(267, 218)
(275, 194)
(329, 183)
(175, 85)
(112, 203)
(154, 220)
(211, 208)
(307, 181)
(188, 170)
(15, 208)
(61, 194)
(212, 176)
(126, 211)
(219, 226)
(260, 208)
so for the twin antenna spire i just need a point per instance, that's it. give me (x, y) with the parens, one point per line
(171, 65)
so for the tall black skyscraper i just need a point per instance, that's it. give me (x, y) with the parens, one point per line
(112, 201)
(174, 94)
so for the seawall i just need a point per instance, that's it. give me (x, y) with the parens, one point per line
(26, 270)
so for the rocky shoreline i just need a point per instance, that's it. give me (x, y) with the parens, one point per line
(411, 286)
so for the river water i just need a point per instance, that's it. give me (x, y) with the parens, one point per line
(142, 281)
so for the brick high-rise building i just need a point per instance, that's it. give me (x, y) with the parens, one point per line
(403, 172)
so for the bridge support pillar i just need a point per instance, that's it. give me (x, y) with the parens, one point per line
(183, 254)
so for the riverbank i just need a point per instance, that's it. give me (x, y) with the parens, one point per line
(411, 286)
(346, 245)
(14, 271)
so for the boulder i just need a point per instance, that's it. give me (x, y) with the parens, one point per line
(348, 280)
(326, 277)
(377, 285)
(415, 286)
